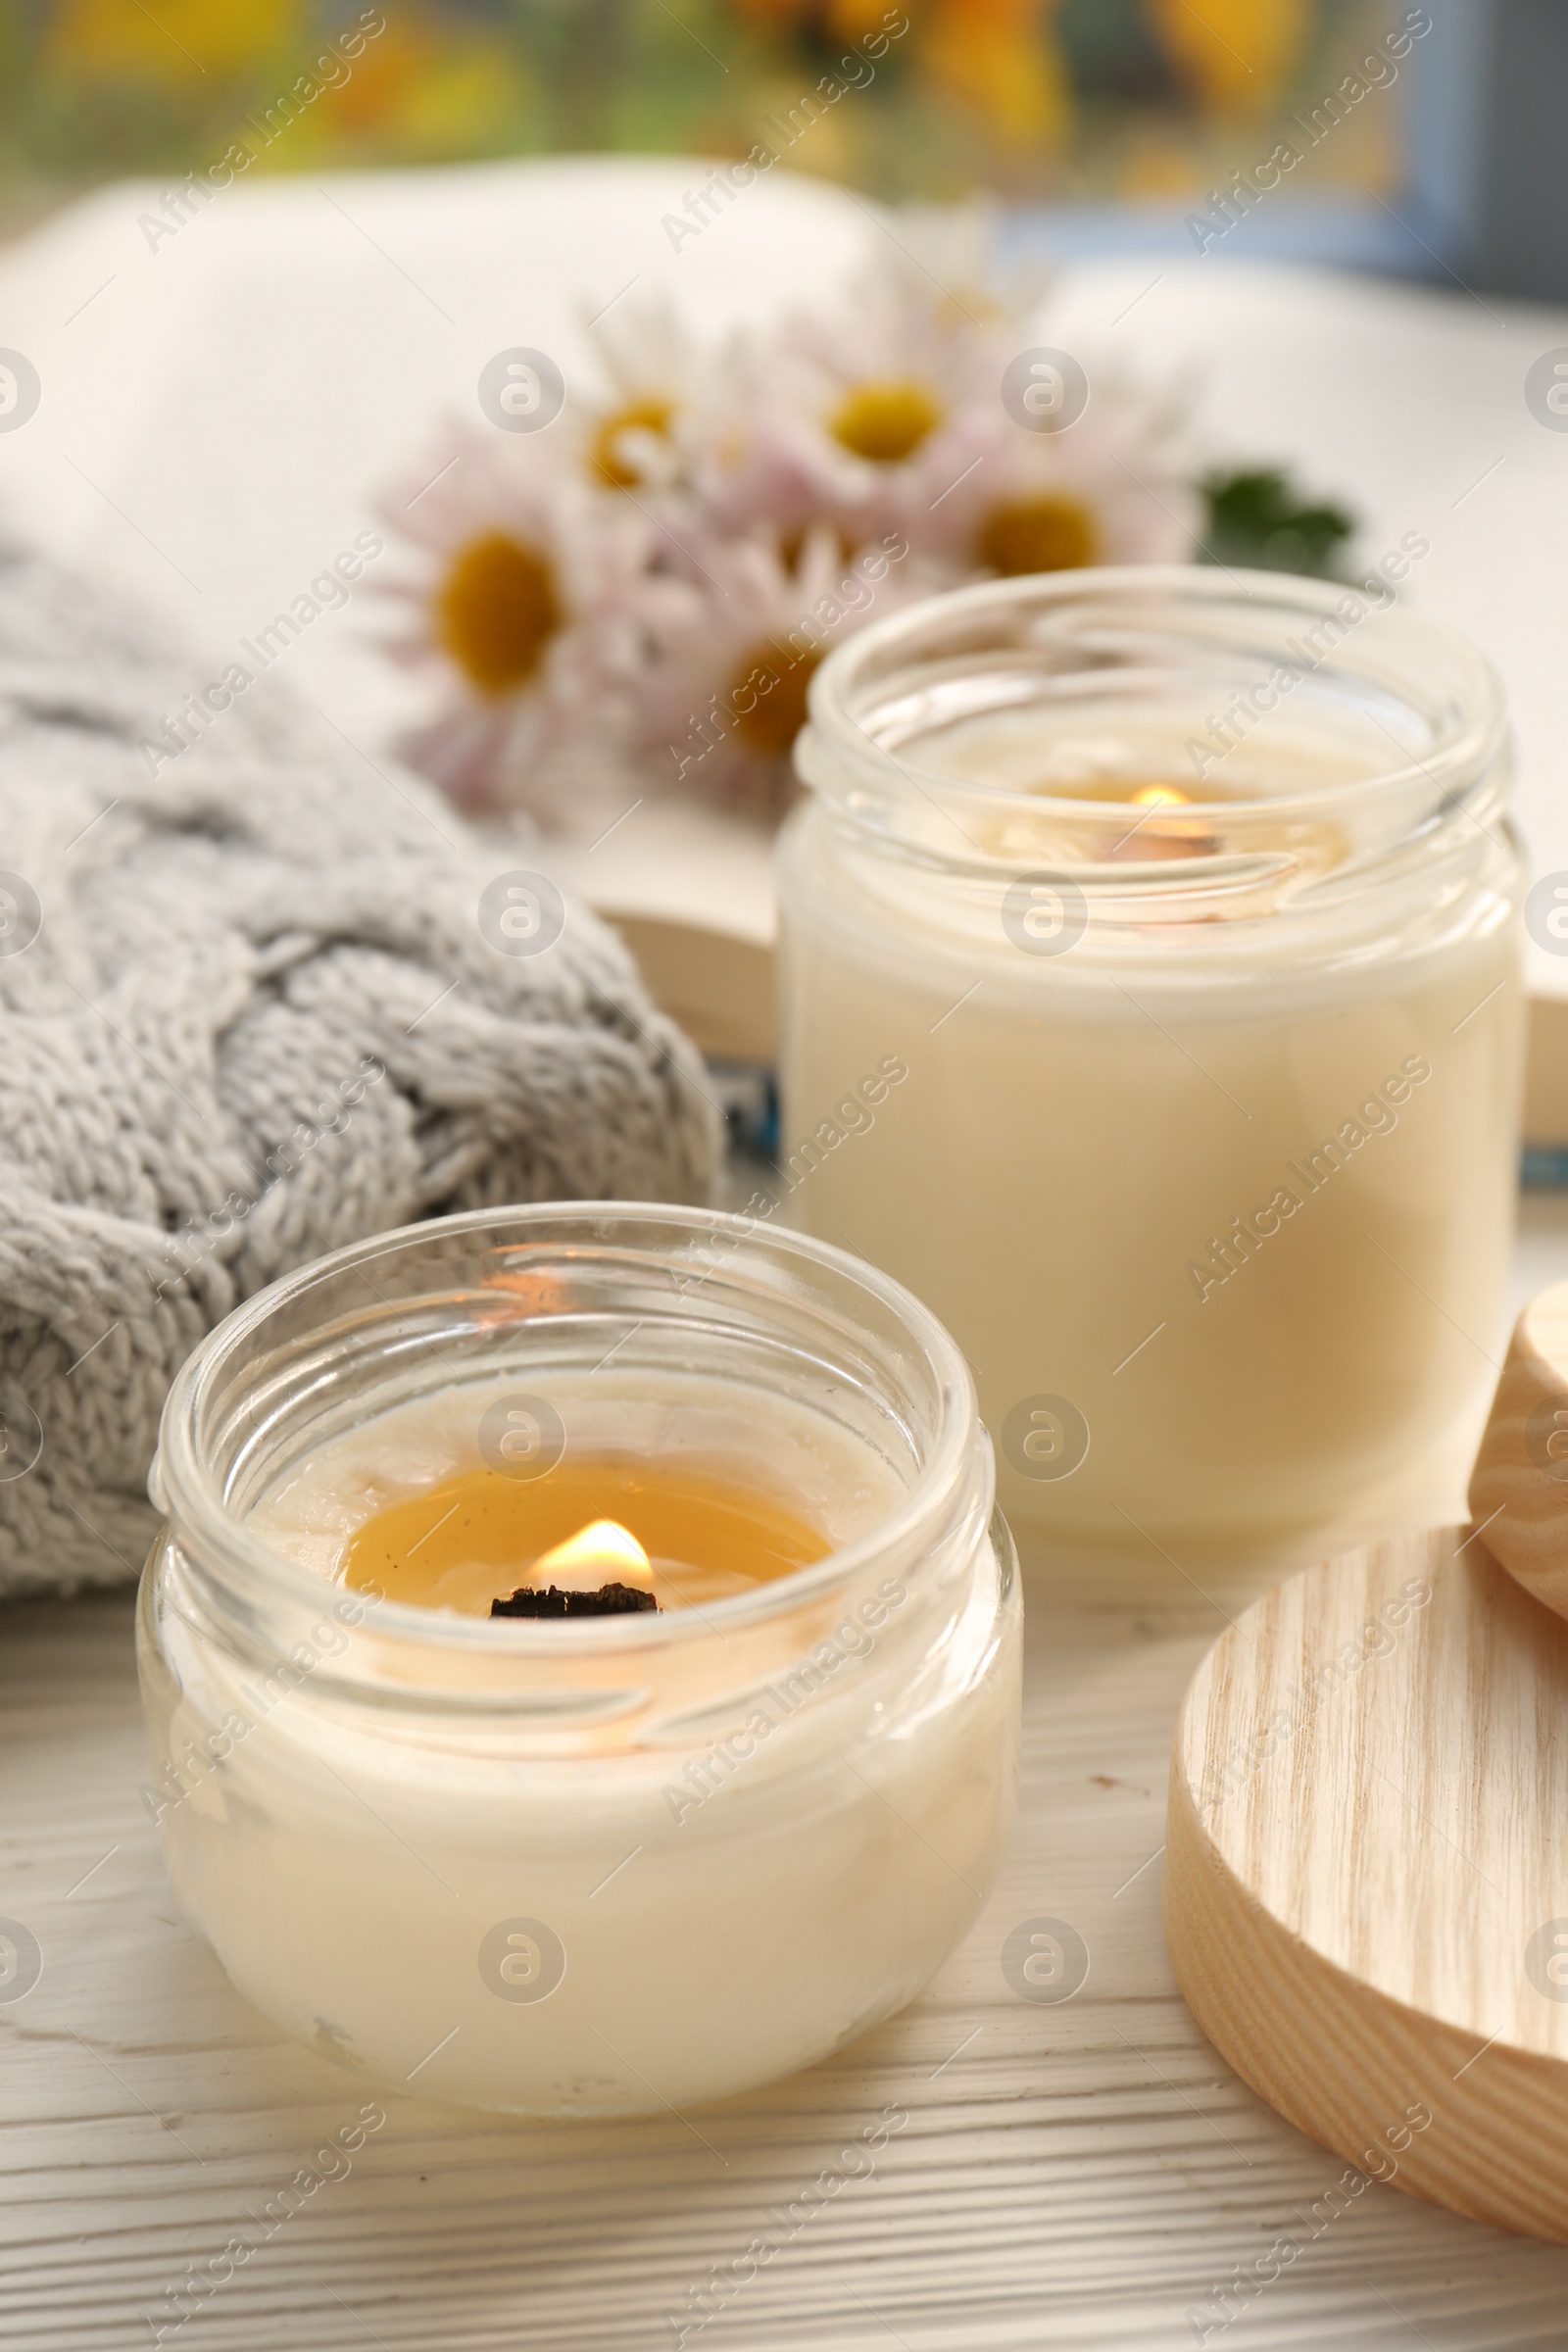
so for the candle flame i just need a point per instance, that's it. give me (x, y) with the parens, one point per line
(604, 1553)
(1157, 835)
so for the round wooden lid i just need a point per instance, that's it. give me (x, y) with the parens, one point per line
(1366, 1872)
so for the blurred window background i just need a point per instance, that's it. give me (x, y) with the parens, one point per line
(1045, 102)
(1109, 119)
(1134, 99)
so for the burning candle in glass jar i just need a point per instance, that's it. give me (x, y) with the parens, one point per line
(1186, 912)
(582, 1661)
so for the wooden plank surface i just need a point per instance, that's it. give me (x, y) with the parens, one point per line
(1083, 2174)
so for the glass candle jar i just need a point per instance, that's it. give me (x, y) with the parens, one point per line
(607, 1864)
(1151, 1007)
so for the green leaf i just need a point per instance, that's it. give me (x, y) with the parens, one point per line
(1258, 520)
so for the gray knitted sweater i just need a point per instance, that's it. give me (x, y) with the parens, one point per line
(251, 1009)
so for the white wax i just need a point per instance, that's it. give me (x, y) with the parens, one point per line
(1073, 1136)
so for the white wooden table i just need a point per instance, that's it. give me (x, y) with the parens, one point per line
(1081, 2174)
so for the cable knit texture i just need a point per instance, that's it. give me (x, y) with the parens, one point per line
(259, 1020)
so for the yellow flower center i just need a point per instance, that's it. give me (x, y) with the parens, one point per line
(777, 714)
(884, 422)
(497, 609)
(1035, 534)
(606, 455)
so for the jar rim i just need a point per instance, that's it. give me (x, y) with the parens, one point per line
(184, 1485)
(844, 761)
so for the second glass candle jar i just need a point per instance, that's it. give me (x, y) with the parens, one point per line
(1151, 1007)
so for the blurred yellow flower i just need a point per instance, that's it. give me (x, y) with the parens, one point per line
(1232, 54)
(999, 57)
(426, 91)
(852, 19)
(114, 41)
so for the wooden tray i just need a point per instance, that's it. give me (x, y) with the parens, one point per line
(1366, 1870)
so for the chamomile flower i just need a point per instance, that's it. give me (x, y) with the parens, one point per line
(661, 392)
(836, 409)
(638, 597)
(994, 499)
(732, 654)
(521, 596)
